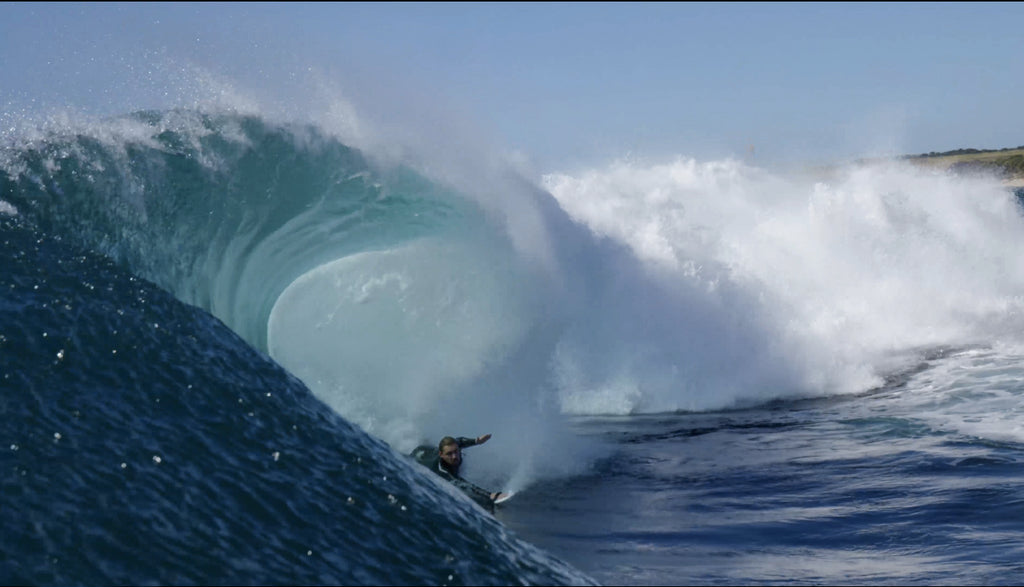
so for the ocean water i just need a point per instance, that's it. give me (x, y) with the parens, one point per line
(221, 333)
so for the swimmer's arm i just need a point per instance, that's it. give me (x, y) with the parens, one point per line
(467, 442)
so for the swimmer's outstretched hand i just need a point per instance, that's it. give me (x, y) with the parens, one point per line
(483, 439)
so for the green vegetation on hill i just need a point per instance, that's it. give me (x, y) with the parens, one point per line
(1006, 163)
(964, 152)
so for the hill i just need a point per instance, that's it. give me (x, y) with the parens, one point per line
(1005, 163)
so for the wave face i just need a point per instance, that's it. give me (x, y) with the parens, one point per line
(144, 441)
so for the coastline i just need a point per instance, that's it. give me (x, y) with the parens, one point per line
(1008, 164)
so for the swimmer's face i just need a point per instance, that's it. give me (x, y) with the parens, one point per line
(451, 456)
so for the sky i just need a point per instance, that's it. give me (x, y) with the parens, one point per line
(564, 85)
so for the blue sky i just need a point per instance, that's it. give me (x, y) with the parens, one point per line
(565, 84)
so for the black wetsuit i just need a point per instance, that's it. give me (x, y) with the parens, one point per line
(428, 457)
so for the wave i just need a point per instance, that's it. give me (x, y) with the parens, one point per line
(230, 212)
(415, 305)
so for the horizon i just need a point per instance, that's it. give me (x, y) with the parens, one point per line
(558, 85)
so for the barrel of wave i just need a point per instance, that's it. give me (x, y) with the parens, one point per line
(385, 337)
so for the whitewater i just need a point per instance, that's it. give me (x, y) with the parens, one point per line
(222, 331)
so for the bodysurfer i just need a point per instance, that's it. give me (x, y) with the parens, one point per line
(447, 461)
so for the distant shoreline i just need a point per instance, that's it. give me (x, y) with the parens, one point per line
(1006, 163)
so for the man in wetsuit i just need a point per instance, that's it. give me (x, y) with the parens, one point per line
(446, 462)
